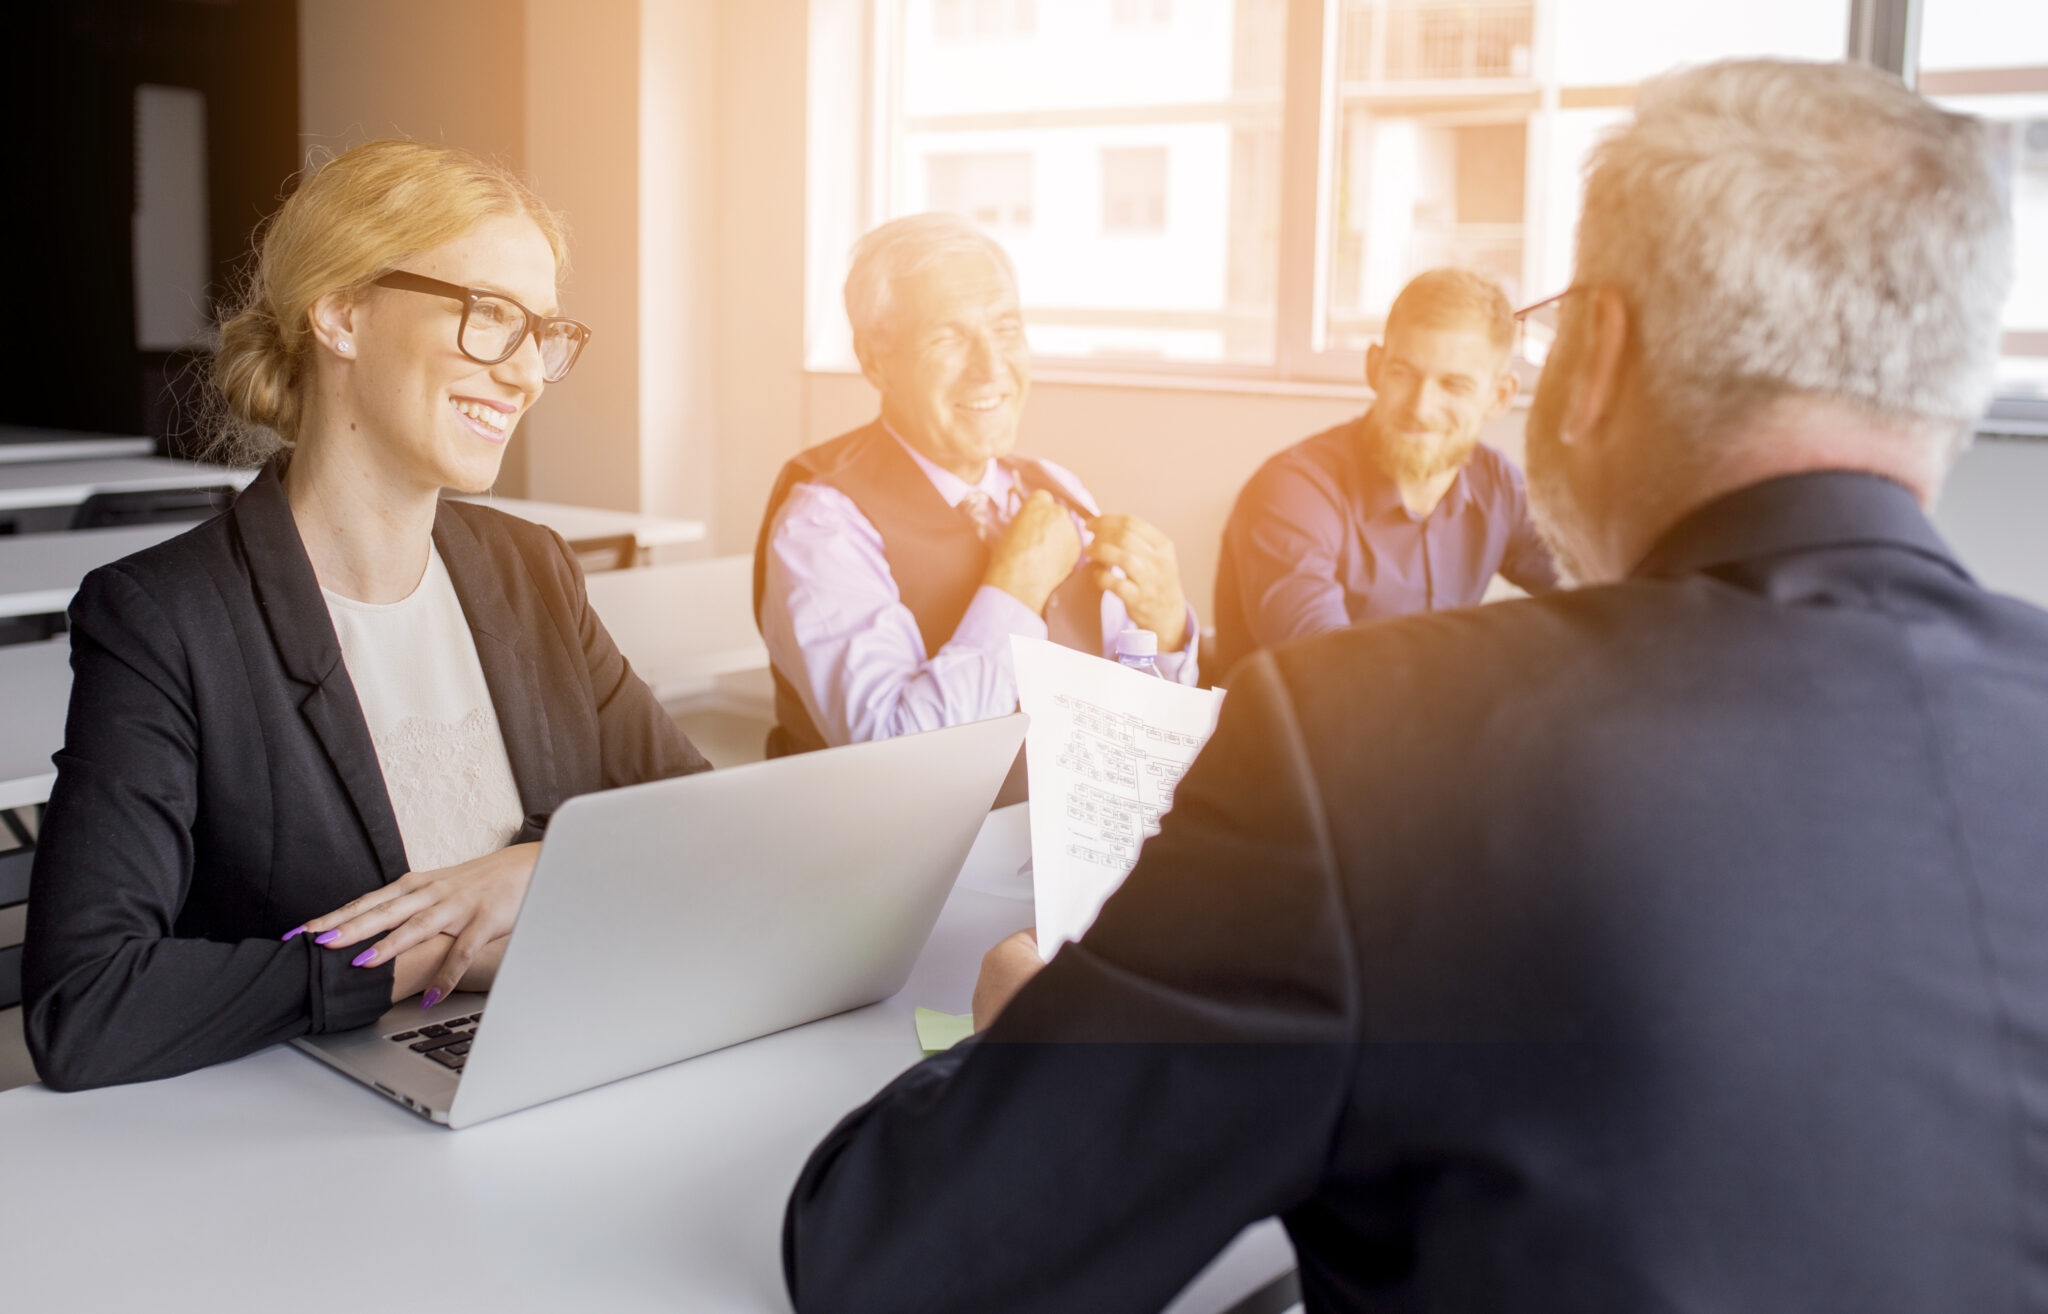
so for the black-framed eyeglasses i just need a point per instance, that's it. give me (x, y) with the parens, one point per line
(493, 324)
(1536, 326)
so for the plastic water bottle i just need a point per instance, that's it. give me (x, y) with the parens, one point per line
(1139, 650)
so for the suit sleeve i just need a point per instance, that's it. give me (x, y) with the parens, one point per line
(1287, 538)
(110, 993)
(1172, 1077)
(637, 739)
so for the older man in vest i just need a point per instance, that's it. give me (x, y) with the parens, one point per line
(895, 561)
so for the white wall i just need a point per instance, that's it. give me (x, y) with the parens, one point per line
(173, 262)
(763, 398)
(679, 236)
(582, 109)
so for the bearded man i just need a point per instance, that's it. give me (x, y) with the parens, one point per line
(1400, 510)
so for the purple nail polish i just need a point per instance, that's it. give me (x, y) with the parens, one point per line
(295, 932)
(429, 999)
(327, 937)
(363, 957)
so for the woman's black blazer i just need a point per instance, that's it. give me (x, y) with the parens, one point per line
(218, 785)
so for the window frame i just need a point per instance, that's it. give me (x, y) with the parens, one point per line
(1882, 32)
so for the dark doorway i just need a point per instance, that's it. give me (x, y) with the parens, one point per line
(68, 83)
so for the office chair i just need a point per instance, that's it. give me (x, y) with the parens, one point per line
(151, 506)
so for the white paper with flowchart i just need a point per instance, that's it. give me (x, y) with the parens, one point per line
(1106, 748)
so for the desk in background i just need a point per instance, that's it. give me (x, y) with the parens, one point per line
(683, 622)
(40, 572)
(35, 691)
(275, 1179)
(39, 496)
(18, 444)
(601, 538)
(667, 642)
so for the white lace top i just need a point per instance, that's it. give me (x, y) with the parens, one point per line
(416, 673)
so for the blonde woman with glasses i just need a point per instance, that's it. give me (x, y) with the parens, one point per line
(313, 743)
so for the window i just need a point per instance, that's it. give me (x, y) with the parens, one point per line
(1132, 170)
(1134, 189)
(1990, 58)
(1240, 187)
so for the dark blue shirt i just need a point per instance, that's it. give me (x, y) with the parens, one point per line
(1320, 540)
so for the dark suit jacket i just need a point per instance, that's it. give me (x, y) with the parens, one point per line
(1675, 945)
(218, 785)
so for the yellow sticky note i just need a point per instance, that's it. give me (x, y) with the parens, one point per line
(938, 1031)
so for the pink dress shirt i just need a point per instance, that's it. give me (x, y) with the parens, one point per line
(836, 626)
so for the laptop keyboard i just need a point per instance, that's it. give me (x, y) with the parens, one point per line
(446, 1043)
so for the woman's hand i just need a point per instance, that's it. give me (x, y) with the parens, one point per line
(417, 971)
(475, 902)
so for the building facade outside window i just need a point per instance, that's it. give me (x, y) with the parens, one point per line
(1141, 13)
(1134, 190)
(994, 189)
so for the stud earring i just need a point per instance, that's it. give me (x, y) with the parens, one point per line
(342, 346)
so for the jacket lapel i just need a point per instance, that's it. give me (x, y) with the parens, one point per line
(288, 594)
(509, 671)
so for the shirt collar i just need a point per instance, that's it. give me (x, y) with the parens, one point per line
(995, 480)
(1796, 513)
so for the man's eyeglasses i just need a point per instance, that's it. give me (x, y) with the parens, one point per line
(1536, 327)
(493, 325)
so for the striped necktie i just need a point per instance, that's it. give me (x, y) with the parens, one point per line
(989, 520)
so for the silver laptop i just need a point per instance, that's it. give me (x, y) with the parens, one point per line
(697, 913)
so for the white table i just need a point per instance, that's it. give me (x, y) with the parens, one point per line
(35, 692)
(69, 482)
(273, 1180)
(40, 572)
(583, 523)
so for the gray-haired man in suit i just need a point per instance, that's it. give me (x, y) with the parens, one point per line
(1680, 942)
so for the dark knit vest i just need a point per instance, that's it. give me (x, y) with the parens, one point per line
(935, 556)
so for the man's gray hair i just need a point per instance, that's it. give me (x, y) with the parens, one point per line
(898, 249)
(1780, 228)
